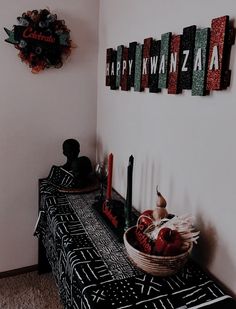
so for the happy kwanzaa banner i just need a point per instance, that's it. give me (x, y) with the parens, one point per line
(197, 60)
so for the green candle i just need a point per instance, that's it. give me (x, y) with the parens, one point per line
(128, 203)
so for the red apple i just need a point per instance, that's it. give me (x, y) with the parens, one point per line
(146, 218)
(147, 213)
(144, 243)
(168, 242)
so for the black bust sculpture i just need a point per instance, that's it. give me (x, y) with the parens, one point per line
(82, 170)
(71, 149)
(80, 167)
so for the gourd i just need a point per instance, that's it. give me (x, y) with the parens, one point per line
(160, 211)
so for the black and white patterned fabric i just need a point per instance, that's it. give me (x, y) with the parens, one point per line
(48, 188)
(92, 269)
(57, 178)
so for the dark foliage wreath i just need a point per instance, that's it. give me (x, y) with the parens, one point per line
(43, 41)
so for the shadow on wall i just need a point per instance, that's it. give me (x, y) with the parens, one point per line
(232, 56)
(150, 176)
(84, 37)
(99, 151)
(204, 252)
(229, 270)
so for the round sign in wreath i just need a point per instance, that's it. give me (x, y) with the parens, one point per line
(43, 41)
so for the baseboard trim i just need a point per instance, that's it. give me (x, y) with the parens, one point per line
(18, 271)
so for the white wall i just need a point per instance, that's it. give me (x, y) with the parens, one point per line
(183, 143)
(37, 113)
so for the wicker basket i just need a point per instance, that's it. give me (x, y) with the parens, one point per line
(155, 265)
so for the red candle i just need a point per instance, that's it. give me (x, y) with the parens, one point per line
(109, 176)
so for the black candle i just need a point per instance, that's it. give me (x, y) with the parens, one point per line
(128, 204)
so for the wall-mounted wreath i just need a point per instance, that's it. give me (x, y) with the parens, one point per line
(43, 41)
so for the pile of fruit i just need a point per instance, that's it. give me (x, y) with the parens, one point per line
(160, 234)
